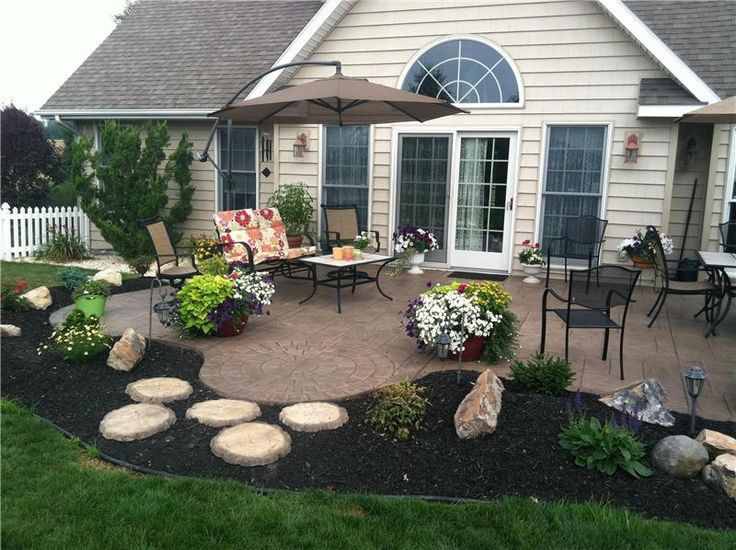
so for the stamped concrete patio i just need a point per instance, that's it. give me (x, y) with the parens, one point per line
(310, 352)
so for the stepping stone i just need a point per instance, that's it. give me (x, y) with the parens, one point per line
(313, 417)
(136, 421)
(223, 412)
(159, 390)
(251, 444)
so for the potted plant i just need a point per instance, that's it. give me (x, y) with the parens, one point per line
(457, 310)
(90, 297)
(411, 243)
(642, 247)
(294, 203)
(221, 304)
(531, 260)
(360, 243)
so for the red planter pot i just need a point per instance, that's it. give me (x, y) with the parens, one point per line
(230, 328)
(473, 349)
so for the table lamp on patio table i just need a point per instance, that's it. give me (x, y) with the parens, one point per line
(694, 381)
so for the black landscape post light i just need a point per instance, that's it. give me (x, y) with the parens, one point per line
(162, 309)
(443, 345)
(694, 380)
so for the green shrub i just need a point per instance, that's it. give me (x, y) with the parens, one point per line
(91, 288)
(399, 410)
(197, 299)
(10, 296)
(77, 339)
(214, 265)
(63, 247)
(603, 447)
(542, 374)
(71, 277)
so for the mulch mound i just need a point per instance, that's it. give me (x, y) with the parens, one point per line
(522, 458)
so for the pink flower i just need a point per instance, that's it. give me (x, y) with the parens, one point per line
(537, 245)
(526, 242)
(462, 288)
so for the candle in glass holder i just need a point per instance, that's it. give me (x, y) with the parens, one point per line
(337, 253)
(358, 254)
(348, 252)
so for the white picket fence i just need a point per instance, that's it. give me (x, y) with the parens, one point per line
(24, 230)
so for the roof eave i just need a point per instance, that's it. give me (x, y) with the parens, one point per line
(138, 114)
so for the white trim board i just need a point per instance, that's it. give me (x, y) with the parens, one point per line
(138, 114)
(665, 111)
(648, 40)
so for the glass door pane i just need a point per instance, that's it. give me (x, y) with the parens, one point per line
(424, 173)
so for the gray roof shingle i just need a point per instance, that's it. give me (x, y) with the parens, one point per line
(183, 54)
(702, 34)
(664, 91)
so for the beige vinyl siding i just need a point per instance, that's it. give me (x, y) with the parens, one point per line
(576, 66)
(717, 189)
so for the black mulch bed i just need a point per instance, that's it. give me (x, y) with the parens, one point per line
(522, 458)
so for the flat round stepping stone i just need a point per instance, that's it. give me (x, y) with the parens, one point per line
(313, 417)
(159, 390)
(223, 412)
(251, 444)
(136, 421)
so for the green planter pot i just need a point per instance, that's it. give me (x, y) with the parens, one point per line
(91, 305)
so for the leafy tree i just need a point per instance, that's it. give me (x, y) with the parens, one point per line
(29, 161)
(132, 186)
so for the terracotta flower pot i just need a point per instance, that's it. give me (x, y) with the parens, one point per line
(473, 349)
(231, 328)
(642, 263)
(295, 241)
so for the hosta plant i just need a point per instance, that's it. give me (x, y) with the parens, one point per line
(77, 339)
(604, 446)
(399, 410)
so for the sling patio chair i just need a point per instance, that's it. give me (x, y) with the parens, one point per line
(581, 240)
(256, 238)
(342, 225)
(168, 266)
(704, 288)
(728, 236)
(591, 295)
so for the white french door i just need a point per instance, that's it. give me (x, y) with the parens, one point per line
(483, 191)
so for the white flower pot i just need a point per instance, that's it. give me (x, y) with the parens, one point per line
(416, 260)
(531, 270)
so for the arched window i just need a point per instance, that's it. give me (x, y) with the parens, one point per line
(463, 70)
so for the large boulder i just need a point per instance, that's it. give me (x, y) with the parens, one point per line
(716, 443)
(680, 456)
(644, 400)
(39, 298)
(478, 412)
(722, 473)
(9, 330)
(110, 276)
(128, 351)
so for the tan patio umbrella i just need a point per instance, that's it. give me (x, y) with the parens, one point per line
(723, 112)
(338, 99)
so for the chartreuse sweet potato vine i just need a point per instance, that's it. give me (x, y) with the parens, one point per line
(197, 299)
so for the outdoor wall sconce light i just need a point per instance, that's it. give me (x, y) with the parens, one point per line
(301, 144)
(443, 345)
(631, 149)
(694, 381)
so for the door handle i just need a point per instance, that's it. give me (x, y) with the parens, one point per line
(510, 205)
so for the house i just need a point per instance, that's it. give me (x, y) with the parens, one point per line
(574, 107)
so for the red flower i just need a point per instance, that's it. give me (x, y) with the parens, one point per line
(462, 288)
(526, 242)
(242, 218)
(537, 245)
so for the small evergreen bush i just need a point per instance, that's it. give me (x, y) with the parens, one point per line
(71, 277)
(399, 410)
(542, 374)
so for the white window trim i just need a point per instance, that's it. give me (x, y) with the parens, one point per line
(728, 197)
(489, 43)
(216, 143)
(541, 179)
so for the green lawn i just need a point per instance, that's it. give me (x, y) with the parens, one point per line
(36, 274)
(55, 496)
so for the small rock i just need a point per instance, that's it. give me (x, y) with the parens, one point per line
(128, 351)
(39, 298)
(110, 276)
(680, 456)
(478, 412)
(717, 443)
(251, 444)
(136, 421)
(313, 417)
(722, 473)
(159, 390)
(9, 330)
(223, 412)
(645, 400)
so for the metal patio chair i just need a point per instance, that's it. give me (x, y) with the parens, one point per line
(582, 240)
(683, 288)
(168, 267)
(728, 236)
(342, 225)
(591, 295)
